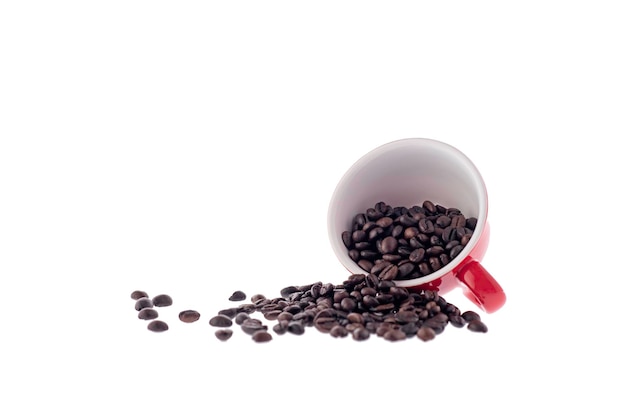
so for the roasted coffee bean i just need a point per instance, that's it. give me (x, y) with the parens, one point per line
(138, 294)
(457, 221)
(220, 321)
(426, 226)
(470, 316)
(405, 269)
(288, 291)
(143, 303)
(456, 251)
(457, 321)
(246, 308)
(348, 304)
(158, 326)
(389, 273)
(229, 312)
(162, 300)
(471, 223)
(360, 334)
(296, 327)
(435, 263)
(365, 264)
(189, 316)
(394, 335)
(389, 245)
(257, 298)
(426, 333)
(261, 336)
(476, 325)
(443, 221)
(148, 313)
(429, 207)
(339, 331)
(281, 327)
(224, 334)
(237, 296)
(346, 237)
(252, 325)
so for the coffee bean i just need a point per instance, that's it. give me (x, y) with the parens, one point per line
(339, 331)
(262, 336)
(223, 334)
(220, 321)
(360, 334)
(257, 298)
(142, 303)
(389, 245)
(456, 251)
(237, 296)
(296, 327)
(346, 237)
(394, 335)
(158, 326)
(426, 226)
(429, 206)
(426, 333)
(162, 300)
(476, 325)
(229, 312)
(457, 321)
(389, 273)
(138, 294)
(189, 316)
(252, 325)
(148, 313)
(470, 316)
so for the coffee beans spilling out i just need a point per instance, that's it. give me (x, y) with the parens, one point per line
(361, 306)
(397, 243)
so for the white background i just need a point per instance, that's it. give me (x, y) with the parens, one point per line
(191, 148)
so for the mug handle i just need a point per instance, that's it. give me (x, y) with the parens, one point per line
(480, 287)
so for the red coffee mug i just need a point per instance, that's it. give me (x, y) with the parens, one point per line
(407, 172)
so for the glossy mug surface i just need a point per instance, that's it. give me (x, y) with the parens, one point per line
(407, 172)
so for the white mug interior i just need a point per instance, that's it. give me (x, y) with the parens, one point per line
(407, 172)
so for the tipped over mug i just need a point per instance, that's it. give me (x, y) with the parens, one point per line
(406, 173)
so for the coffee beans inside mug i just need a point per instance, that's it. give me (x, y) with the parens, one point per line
(401, 243)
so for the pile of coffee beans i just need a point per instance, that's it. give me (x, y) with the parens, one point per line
(391, 244)
(400, 243)
(361, 306)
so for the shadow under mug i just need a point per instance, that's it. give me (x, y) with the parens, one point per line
(407, 172)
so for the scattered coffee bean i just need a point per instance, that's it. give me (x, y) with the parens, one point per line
(240, 317)
(224, 334)
(148, 313)
(220, 321)
(162, 300)
(237, 296)
(257, 298)
(189, 316)
(426, 333)
(470, 316)
(477, 325)
(158, 326)
(138, 294)
(229, 312)
(143, 303)
(262, 336)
